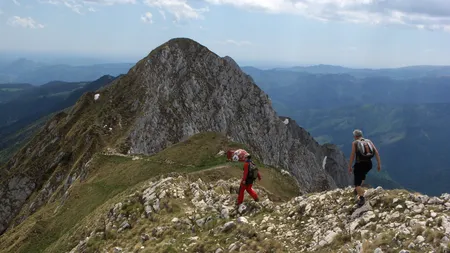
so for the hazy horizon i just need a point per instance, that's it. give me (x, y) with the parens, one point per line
(367, 34)
(80, 60)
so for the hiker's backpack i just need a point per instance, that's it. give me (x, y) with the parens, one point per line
(365, 148)
(252, 172)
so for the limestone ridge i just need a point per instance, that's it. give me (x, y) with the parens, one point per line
(180, 89)
(390, 221)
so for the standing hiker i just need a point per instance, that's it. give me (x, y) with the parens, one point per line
(250, 174)
(364, 150)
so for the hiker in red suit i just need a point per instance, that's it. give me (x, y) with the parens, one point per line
(250, 174)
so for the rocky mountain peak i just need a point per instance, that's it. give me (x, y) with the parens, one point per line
(180, 89)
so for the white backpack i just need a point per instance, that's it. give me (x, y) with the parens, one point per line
(365, 148)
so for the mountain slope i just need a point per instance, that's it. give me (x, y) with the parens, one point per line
(180, 89)
(11, 91)
(23, 116)
(60, 225)
(413, 139)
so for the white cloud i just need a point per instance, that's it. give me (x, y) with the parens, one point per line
(419, 14)
(54, 2)
(271, 6)
(28, 22)
(108, 2)
(16, 2)
(179, 8)
(147, 18)
(237, 43)
(74, 6)
(79, 6)
(430, 14)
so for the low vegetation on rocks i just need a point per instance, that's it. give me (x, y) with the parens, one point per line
(179, 213)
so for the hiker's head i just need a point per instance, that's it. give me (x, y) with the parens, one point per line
(357, 134)
(248, 156)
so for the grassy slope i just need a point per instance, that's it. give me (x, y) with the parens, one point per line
(54, 229)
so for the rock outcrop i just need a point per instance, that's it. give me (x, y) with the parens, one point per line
(151, 218)
(180, 89)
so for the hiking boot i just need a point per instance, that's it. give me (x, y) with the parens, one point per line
(257, 199)
(361, 201)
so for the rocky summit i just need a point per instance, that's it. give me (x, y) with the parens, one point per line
(182, 214)
(180, 89)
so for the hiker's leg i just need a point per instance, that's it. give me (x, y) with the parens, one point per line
(358, 179)
(366, 168)
(252, 192)
(241, 194)
(361, 186)
(361, 189)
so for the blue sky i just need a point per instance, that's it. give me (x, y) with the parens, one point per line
(356, 33)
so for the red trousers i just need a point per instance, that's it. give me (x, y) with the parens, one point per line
(250, 191)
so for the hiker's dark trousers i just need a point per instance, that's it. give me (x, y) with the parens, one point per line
(360, 171)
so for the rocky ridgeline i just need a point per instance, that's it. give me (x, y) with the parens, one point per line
(175, 214)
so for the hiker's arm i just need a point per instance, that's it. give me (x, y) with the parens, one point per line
(259, 176)
(352, 157)
(377, 156)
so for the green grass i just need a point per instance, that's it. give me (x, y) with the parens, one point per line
(112, 176)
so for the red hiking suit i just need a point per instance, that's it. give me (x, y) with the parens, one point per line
(247, 186)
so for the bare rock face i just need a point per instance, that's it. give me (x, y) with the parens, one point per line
(14, 194)
(180, 89)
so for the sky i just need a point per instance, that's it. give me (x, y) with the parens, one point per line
(354, 33)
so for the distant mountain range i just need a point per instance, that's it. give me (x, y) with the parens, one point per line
(38, 73)
(395, 73)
